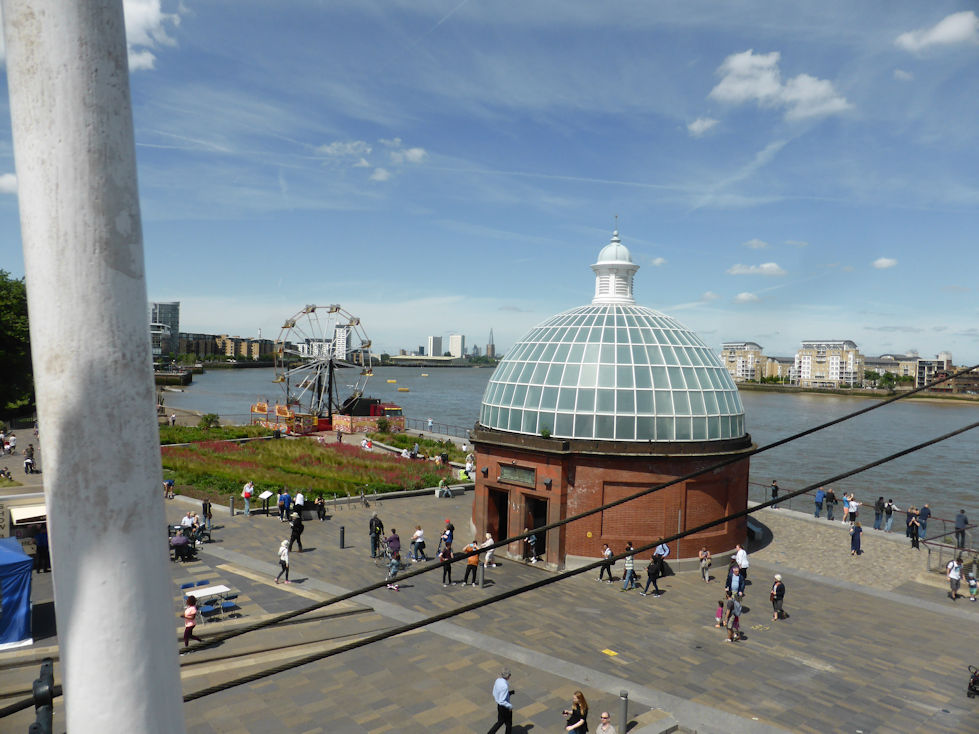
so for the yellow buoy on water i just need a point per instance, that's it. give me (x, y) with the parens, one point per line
(424, 374)
(403, 389)
(392, 381)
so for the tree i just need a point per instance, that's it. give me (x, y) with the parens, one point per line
(16, 372)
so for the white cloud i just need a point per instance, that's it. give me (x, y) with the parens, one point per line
(797, 243)
(756, 244)
(390, 142)
(953, 29)
(8, 183)
(763, 269)
(657, 261)
(882, 263)
(147, 28)
(409, 155)
(746, 298)
(700, 126)
(709, 296)
(340, 149)
(380, 174)
(903, 76)
(362, 163)
(750, 77)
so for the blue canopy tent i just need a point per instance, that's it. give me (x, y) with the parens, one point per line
(15, 594)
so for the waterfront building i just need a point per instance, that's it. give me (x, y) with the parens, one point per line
(434, 346)
(166, 312)
(932, 369)
(160, 340)
(899, 365)
(237, 346)
(779, 367)
(198, 344)
(457, 345)
(744, 360)
(598, 403)
(828, 363)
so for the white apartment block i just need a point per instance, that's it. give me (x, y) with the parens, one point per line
(743, 360)
(457, 345)
(828, 363)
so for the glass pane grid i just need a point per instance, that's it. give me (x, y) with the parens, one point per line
(613, 372)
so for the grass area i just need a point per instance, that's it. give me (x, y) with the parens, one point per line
(426, 446)
(193, 434)
(217, 468)
(4, 483)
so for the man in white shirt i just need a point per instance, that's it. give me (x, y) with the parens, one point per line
(662, 550)
(298, 503)
(504, 709)
(741, 558)
(187, 520)
(954, 573)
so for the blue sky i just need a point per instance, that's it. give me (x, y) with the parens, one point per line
(781, 171)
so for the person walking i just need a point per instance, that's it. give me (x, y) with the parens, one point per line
(375, 529)
(296, 536)
(855, 532)
(577, 721)
(607, 565)
(283, 561)
(818, 500)
(531, 542)
(246, 494)
(732, 614)
(777, 595)
(961, 523)
(190, 620)
(653, 572)
(417, 545)
(878, 512)
(704, 556)
(741, 558)
(831, 502)
(735, 584)
(629, 578)
(504, 709)
(445, 557)
(206, 512)
(281, 504)
(953, 572)
(488, 561)
(605, 724)
(286, 505)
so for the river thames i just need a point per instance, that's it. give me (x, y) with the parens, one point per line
(943, 474)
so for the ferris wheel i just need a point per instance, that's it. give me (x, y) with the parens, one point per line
(311, 346)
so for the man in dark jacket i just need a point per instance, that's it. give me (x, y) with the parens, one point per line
(297, 531)
(376, 530)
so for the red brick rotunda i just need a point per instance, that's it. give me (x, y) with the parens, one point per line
(598, 403)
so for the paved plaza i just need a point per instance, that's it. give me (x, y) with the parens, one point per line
(871, 644)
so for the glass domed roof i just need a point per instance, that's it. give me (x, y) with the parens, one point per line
(613, 370)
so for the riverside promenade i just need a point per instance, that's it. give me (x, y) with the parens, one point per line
(871, 644)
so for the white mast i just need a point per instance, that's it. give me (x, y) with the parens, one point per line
(82, 236)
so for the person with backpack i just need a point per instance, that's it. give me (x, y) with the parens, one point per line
(732, 617)
(878, 512)
(653, 572)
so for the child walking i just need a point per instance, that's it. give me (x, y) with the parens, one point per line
(283, 561)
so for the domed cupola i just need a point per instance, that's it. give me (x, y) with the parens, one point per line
(613, 371)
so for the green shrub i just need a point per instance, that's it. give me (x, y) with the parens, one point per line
(208, 421)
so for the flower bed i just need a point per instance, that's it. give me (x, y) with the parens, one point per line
(222, 468)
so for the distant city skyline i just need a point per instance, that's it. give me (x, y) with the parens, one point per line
(780, 171)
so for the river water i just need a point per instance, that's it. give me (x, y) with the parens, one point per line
(943, 474)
